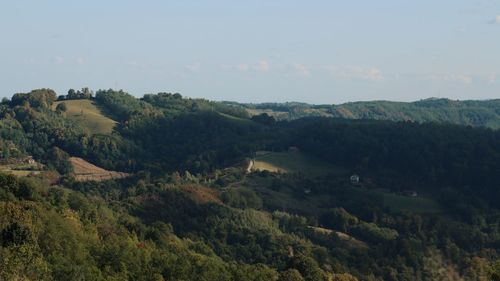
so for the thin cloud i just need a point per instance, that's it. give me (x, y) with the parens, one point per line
(356, 73)
(195, 67)
(466, 79)
(243, 67)
(80, 61)
(263, 66)
(58, 60)
(492, 78)
(138, 65)
(301, 70)
(462, 78)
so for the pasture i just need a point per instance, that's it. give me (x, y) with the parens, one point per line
(293, 162)
(85, 171)
(88, 115)
(400, 203)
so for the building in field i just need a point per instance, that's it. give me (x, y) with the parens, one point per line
(354, 179)
(409, 193)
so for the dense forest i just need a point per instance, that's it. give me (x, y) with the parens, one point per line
(411, 197)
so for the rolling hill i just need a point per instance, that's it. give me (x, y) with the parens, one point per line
(469, 113)
(86, 113)
(185, 215)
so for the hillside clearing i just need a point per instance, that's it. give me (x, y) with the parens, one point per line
(293, 162)
(21, 169)
(85, 171)
(399, 203)
(19, 173)
(344, 237)
(88, 115)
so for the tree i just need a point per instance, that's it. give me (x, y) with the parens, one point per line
(495, 271)
(60, 160)
(71, 93)
(308, 268)
(84, 93)
(5, 150)
(61, 107)
(264, 118)
(37, 98)
(291, 275)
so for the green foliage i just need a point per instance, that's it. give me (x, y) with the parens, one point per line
(291, 275)
(422, 155)
(264, 118)
(61, 107)
(308, 268)
(467, 113)
(228, 224)
(495, 272)
(242, 198)
(175, 104)
(41, 98)
(60, 160)
(339, 218)
(85, 93)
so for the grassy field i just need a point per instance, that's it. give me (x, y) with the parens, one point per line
(421, 205)
(20, 170)
(88, 115)
(351, 241)
(235, 118)
(293, 162)
(85, 171)
(276, 114)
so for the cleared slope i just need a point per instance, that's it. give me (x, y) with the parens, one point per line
(85, 171)
(293, 162)
(88, 115)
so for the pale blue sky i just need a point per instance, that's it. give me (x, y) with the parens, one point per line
(255, 51)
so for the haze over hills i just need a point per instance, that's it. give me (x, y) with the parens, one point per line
(106, 186)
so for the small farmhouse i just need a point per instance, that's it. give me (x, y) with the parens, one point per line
(29, 160)
(409, 193)
(354, 179)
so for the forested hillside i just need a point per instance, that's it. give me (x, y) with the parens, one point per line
(468, 113)
(209, 191)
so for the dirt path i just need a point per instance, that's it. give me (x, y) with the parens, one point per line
(250, 166)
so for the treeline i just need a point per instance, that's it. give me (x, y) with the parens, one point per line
(467, 113)
(182, 134)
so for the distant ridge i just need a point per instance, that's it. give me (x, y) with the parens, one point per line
(478, 113)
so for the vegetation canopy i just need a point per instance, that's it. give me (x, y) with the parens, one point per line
(106, 186)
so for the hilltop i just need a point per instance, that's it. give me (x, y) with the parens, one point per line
(88, 115)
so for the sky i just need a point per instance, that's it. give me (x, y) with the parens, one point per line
(314, 51)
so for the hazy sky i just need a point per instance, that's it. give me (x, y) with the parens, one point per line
(254, 51)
